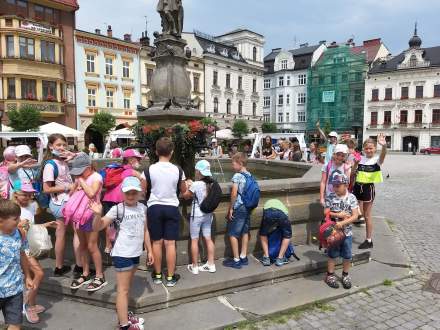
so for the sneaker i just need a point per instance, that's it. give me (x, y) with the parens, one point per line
(157, 278)
(265, 261)
(346, 282)
(331, 281)
(366, 245)
(207, 268)
(96, 284)
(61, 271)
(80, 281)
(244, 261)
(232, 263)
(281, 262)
(133, 319)
(30, 314)
(170, 282)
(193, 269)
(132, 326)
(77, 271)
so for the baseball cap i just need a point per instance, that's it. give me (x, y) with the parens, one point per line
(131, 183)
(22, 150)
(204, 167)
(23, 186)
(131, 153)
(80, 163)
(214, 141)
(9, 154)
(333, 134)
(341, 148)
(338, 178)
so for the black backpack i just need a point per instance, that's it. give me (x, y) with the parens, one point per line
(213, 197)
(148, 179)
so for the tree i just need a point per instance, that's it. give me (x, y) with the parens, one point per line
(240, 128)
(269, 128)
(26, 118)
(103, 122)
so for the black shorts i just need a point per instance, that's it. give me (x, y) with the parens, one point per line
(364, 192)
(268, 225)
(12, 309)
(163, 222)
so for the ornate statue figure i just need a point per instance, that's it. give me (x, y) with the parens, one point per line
(171, 13)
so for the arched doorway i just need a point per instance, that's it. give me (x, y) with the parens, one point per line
(92, 136)
(410, 143)
(121, 126)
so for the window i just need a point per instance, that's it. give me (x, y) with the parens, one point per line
(8, 22)
(436, 116)
(126, 69)
(228, 80)
(215, 78)
(375, 94)
(149, 76)
(358, 95)
(127, 97)
(47, 51)
(215, 105)
(436, 90)
(288, 81)
(266, 117)
(283, 64)
(387, 118)
(266, 83)
(413, 61)
(109, 98)
(11, 88)
(109, 66)
(240, 82)
(301, 116)
(44, 13)
(254, 109)
(91, 97)
(10, 51)
(254, 85)
(302, 79)
(404, 93)
(27, 48)
(39, 12)
(418, 116)
(228, 106)
(280, 99)
(419, 92)
(266, 101)
(333, 78)
(301, 98)
(287, 117)
(49, 90)
(281, 81)
(28, 89)
(403, 117)
(254, 54)
(280, 117)
(196, 83)
(373, 118)
(288, 99)
(388, 93)
(240, 107)
(90, 63)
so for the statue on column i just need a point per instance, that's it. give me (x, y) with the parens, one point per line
(171, 13)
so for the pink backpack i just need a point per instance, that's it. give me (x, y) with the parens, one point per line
(77, 209)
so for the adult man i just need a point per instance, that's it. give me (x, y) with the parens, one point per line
(331, 139)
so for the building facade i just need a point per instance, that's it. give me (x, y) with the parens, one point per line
(403, 98)
(37, 58)
(285, 86)
(108, 80)
(233, 79)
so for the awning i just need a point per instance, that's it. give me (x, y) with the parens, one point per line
(53, 128)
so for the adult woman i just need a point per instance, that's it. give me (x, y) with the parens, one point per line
(93, 152)
(216, 150)
(296, 152)
(267, 152)
(313, 153)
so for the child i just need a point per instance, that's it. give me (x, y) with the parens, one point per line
(131, 221)
(23, 194)
(343, 208)
(24, 169)
(90, 182)
(198, 190)
(5, 182)
(238, 215)
(369, 173)
(164, 179)
(59, 188)
(12, 261)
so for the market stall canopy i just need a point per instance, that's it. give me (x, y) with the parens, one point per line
(6, 128)
(53, 128)
(224, 134)
(123, 133)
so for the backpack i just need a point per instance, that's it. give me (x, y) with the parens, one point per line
(77, 210)
(148, 179)
(274, 240)
(251, 192)
(111, 175)
(213, 197)
(5, 184)
(329, 236)
(41, 197)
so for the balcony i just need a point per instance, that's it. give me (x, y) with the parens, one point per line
(410, 65)
(47, 109)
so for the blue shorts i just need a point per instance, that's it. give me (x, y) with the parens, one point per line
(125, 264)
(12, 309)
(343, 251)
(163, 222)
(240, 223)
(273, 220)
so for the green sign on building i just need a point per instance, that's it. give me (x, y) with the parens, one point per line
(328, 96)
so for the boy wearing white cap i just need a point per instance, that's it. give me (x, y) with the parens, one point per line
(25, 168)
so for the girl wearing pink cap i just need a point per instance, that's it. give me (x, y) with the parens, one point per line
(9, 158)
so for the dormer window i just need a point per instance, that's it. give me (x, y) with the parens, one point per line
(413, 61)
(236, 56)
(283, 64)
(225, 52)
(211, 49)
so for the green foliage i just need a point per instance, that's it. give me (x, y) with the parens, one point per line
(103, 122)
(26, 118)
(387, 282)
(209, 121)
(269, 128)
(240, 128)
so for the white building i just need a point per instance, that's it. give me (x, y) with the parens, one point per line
(402, 98)
(285, 86)
(233, 75)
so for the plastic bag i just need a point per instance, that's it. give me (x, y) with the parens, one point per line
(39, 240)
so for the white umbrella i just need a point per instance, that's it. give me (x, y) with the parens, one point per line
(224, 134)
(123, 133)
(53, 128)
(6, 128)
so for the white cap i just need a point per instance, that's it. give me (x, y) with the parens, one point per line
(341, 148)
(22, 150)
(333, 134)
(214, 140)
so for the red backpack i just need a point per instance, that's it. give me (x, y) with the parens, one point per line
(112, 175)
(329, 236)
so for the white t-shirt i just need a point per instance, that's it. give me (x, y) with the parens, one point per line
(164, 177)
(130, 239)
(63, 179)
(28, 212)
(198, 188)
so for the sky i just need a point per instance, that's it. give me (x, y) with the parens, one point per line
(284, 23)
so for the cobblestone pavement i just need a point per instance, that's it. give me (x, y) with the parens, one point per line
(410, 200)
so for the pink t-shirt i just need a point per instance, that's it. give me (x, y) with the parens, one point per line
(63, 180)
(93, 178)
(115, 195)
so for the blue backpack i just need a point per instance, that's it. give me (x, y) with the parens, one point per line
(42, 198)
(274, 239)
(251, 192)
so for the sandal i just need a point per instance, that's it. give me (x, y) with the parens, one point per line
(80, 281)
(38, 309)
(97, 284)
(31, 315)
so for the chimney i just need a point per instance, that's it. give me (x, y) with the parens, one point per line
(322, 42)
(349, 42)
(109, 31)
(145, 40)
(127, 37)
(304, 45)
(97, 31)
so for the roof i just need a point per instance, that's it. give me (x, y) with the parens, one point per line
(238, 31)
(302, 57)
(431, 54)
(207, 44)
(370, 47)
(70, 3)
